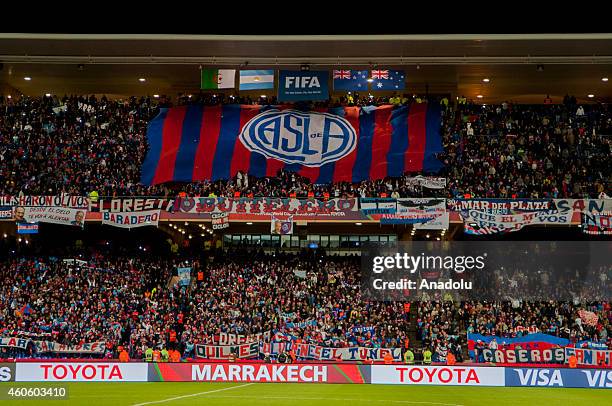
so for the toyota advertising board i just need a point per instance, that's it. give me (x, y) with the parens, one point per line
(437, 375)
(81, 372)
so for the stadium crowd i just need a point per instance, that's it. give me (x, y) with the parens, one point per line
(443, 326)
(136, 304)
(312, 298)
(128, 302)
(515, 319)
(79, 145)
(72, 303)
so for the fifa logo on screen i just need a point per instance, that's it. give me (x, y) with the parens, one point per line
(305, 138)
(301, 82)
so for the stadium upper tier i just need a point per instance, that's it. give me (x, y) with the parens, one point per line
(78, 145)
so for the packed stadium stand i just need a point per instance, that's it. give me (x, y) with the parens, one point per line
(51, 146)
(186, 229)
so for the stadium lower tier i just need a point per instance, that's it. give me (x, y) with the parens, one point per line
(306, 373)
(248, 305)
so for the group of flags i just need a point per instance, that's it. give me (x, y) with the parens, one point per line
(343, 79)
(378, 79)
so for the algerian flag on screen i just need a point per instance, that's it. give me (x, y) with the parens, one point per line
(256, 79)
(218, 79)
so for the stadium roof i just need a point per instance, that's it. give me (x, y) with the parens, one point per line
(457, 63)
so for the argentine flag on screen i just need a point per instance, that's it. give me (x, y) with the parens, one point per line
(256, 79)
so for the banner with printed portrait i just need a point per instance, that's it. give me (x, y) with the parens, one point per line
(55, 215)
(184, 275)
(281, 227)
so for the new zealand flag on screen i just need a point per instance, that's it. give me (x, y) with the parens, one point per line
(384, 79)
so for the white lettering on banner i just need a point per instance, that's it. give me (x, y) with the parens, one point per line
(259, 373)
(589, 356)
(131, 205)
(220, 221)
(539, 377)
(243, 351)
(595, 206)
(81, 372)
(307, 138)
(434, 375)
(425, 214)
(497, 223)
(548, 355)
(75, 202)
(131, 220)
(14, 342)
(264, 206)
(499, 206)
(601, 379)
(562, 377)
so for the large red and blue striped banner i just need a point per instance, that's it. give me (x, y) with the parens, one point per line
(193, 143)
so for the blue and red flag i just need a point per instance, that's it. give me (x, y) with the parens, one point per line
(353, 144)
(25, 309)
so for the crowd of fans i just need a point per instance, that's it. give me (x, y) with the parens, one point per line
(443, 326)
(561, 319)
(129, 302)
(137, 304)
(439, 328)
(554, 151)
(312, 298)
(79, 145)
(73, 303)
